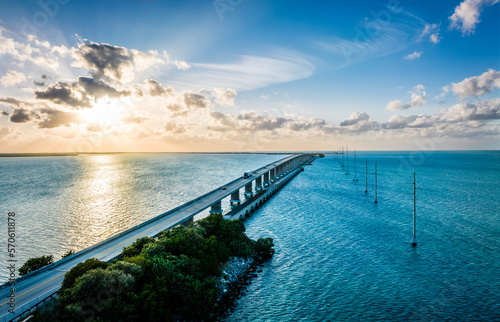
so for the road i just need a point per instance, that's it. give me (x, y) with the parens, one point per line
(37, 287)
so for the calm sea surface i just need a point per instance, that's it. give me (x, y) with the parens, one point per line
(339, 256)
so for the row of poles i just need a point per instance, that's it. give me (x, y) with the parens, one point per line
(345, 164)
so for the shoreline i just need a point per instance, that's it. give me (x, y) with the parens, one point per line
(235, 289)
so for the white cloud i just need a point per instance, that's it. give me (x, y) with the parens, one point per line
(477, 85)
(12, 78)
(466, 15)
(414, 55)
(446, 89)
(418, 98)
(224, 96)
(248, 72)
(432, 32)
(25, 52)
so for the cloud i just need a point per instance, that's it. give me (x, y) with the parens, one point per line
(98, 89)
(12, 78)
(33, 51)
(355, 118)
(248, 72)
(12, 101)
(132, 119)
(6, 130)
(194, 100)
(173, 127)
(374, 38)
(119, 64)
(477, 85)
(64, 93)
(54, 118)
(486, 110)
(414, 55)
(445, 91)
(418, 98)
(466, 15)
(479, 111)
(155, 88)
(79, 94)
(112, 62)
(21, 115)
(253, 122)
(431, 31)
(223, 96)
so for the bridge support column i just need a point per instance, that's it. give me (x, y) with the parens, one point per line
(248, 190)
(273, 175)
(187, 222)
(258, 184)
(216, 208)
(266, 180)
(235, 198)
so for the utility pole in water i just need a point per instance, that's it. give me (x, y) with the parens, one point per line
(414, 239)
(376, 182)
(347, 157)
(366, 175)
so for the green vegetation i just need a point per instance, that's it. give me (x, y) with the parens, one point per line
(34, 263)
(172, 277)
(68, 253)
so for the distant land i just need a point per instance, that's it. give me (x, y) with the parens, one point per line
(72, 154)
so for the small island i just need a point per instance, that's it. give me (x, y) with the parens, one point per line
(182, 274)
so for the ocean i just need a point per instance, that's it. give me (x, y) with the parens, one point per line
(339, 255)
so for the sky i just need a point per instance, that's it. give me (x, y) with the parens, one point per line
(241, 75)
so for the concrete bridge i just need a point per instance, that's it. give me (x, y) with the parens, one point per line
(255, 187)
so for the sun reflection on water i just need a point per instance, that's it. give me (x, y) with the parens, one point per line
(100, 199)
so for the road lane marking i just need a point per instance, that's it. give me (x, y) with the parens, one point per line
(34, 288)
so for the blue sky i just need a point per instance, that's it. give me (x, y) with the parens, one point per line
(241, 75)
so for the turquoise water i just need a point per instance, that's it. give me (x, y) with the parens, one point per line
(339, 256)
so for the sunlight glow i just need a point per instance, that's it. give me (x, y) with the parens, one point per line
(106, 114)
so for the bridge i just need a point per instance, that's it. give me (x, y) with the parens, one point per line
(33, 289)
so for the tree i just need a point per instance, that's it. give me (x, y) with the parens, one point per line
(264, 247)
(137, 246)
(79, 270)
(32, 264)
(101, 294)
(68, 253)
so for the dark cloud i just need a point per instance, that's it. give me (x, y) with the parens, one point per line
(38, 83)
(44, 76)
(155, 88)
(194, 100)
(63, 93)
(12, 101)
(98, 89)
(104, 60)
(79, 94)
(5, 113)
(54, 118)
(21, 115)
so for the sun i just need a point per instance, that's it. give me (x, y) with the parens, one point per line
(105, 114)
